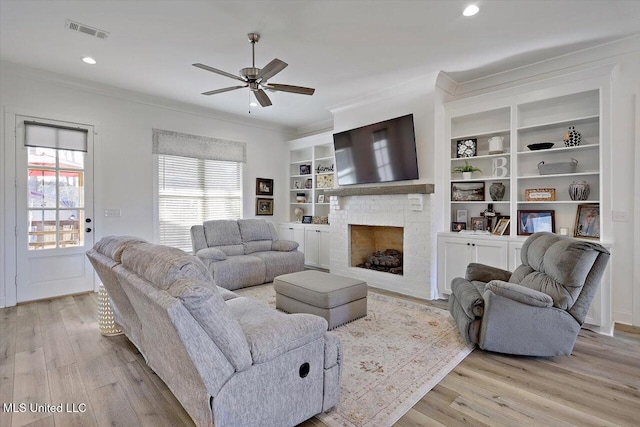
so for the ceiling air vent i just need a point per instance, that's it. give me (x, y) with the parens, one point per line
(94, 32)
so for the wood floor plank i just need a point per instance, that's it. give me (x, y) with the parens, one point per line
(30, 385)
(94, 359)
(6, 391)
(43, 422)
(7, 334)
(142, 395)
(111, 407)
(55, 340)
(67, 388)
(28, 330)
(415, 418)
(177, 408)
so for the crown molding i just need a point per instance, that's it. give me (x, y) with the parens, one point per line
(315, 128)
(25, 72)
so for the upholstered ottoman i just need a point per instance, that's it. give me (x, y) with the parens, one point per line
(336, 298)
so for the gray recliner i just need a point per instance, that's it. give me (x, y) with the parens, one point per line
(539, 308)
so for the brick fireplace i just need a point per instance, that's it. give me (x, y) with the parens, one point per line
(407, 214)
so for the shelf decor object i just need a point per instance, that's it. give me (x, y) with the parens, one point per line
(264, 187)
(496, 145)
(572, 138)
(579, 190)
(557, 168)
(496, 191)
(540, 194)
(534, 221)
(305, 169)
(106, 319)
(467, 191)
(298, 212)
(467, 147)
(324, 181)
(587, 221)
(540, 146)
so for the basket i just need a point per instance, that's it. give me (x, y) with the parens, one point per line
(557, 168)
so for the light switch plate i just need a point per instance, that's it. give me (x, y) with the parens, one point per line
(113, 213)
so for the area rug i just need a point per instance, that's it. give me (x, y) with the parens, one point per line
(392, 358)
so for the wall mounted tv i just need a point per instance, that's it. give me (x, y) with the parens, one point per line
(381, 152)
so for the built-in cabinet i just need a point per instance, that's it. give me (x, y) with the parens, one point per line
(520, 118)
(317, 245)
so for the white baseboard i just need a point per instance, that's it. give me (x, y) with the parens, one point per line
(625, 317)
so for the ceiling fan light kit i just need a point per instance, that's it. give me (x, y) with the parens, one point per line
(256, 79)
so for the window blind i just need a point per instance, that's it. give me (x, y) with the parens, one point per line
(191, 191)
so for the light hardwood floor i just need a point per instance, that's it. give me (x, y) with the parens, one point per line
(52, 352)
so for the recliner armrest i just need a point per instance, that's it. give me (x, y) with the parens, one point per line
(211, 254)
(486, 273)
(519, 293)
(284, 245)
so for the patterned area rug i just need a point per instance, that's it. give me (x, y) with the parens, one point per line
(392, 358)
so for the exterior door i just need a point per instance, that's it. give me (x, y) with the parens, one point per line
(54, 207)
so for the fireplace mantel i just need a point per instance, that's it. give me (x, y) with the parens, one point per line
(382, 190)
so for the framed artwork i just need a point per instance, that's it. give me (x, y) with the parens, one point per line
(264, 187)
(457, 226)
(461, 215)
(466, 147)
(587, 221)
(467, 191)
(533, 221)
(507, 230)
(308, 183)
(479, 223)
(307, 219)
(540, 194)
(264, 206)
(501, 226)
(321, 198)
(305, 169)
(297, 184)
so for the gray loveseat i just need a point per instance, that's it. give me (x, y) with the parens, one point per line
(244, 252)
(229, 360)
(539, 308)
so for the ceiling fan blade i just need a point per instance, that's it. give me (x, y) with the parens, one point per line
(226, 89)
(215, 70)
(271, 69)
(293, 89)
(262, 98)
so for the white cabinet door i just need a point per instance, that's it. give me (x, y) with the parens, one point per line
(324, 248)
(453, 257)
(292, 232)
(285, 232)
(494, 254)
(312, 247)
(514, 255)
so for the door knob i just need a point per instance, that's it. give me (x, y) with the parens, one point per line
(87, 220)
(88, 230)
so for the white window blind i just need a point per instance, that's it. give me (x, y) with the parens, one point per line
(192, 190)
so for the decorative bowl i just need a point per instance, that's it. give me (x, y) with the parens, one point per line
(540, 146)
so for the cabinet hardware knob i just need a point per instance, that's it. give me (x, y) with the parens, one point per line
(468, 244)
(473, 244)
(88, 230)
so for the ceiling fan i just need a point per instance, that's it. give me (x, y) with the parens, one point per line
(256, 79)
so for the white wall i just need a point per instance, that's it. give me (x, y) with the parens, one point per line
(123, 160)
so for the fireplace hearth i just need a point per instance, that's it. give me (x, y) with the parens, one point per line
(377, 248)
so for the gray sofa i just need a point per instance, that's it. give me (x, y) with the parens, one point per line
(539, 308)
(229, 360)
(244, 252)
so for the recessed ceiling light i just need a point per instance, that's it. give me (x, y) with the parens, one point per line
(253, 104)
(89, 60)
(471, 10)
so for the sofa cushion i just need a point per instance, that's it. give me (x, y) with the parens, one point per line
(519, 293)
(222, 232)
(231, 250)
(278, 263)
(210, 311)
(226, 294)
(256, 229)
(238, 271)
(257, 246)
(163, 265)
(213, 254)
(560, 265)
(271, 333)
(113, 246)
(284, 245)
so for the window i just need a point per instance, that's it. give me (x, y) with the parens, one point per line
(204, 183)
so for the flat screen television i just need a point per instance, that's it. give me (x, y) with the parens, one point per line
(381, 152)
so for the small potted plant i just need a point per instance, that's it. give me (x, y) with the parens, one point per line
(466, 170)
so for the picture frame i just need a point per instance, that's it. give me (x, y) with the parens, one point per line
(461, 215)
(468, 191)
(305, 169)
(507, 230)
(587, 221)
(308, 183)
(264, 206)
(297, 184)
(533, 221)
(466, 147)
(320, 198)
(307, 219)
(479, 223)
(458, 226)
(264, 187)
(540, 194)
(501, 226)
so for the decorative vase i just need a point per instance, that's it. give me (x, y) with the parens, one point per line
(496, 145)
(572, 138)
(466, 175)
(301, 197)
(496, 191)
(579, 190)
